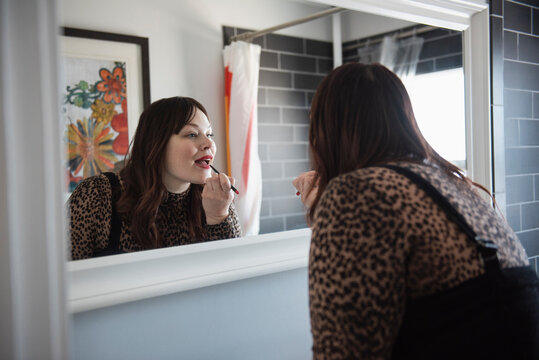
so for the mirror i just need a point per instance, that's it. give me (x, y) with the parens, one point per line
(185, 43)
(189, 36)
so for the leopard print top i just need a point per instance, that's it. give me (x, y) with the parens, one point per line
(378, 240)
(90, 209)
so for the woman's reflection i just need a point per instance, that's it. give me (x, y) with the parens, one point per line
(165, 195)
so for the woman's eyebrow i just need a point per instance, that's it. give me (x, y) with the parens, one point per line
(198, 127)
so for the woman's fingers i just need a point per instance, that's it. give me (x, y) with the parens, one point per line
(307, 186)
(220, 183)
(224, 182)
(217, 197)
(305, 182)
(210, 182)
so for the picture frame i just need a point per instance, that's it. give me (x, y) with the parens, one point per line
(104, 89)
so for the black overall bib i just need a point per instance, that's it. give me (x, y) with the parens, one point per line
(493, 316)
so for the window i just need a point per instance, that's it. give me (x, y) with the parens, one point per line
(438, 103)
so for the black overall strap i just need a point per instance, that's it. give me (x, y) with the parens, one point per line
(115, 223)
(487, 249)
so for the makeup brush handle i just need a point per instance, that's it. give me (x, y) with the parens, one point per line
(231, 186)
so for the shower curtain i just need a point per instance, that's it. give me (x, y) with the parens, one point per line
(242, 61)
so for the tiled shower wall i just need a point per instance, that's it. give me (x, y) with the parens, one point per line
(515, 113)
(290, 70)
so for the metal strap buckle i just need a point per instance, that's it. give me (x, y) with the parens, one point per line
(487, 249)
(486, 243)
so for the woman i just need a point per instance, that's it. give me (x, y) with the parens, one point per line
(165, 195)
(393, 271)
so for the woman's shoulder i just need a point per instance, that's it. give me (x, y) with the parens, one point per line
(375, 179)
(91, 182)
(92, 188)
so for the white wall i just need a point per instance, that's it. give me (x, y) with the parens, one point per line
(357, 25)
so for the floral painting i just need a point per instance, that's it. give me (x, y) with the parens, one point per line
(95, 117)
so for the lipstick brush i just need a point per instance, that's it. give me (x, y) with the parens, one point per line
(233, 188)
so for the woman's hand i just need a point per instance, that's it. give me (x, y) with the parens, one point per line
(307, 186)
(217, 197)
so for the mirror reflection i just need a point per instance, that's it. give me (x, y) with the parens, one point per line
(165, 195)
(185, 55)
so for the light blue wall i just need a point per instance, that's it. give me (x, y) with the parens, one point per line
(259, 318)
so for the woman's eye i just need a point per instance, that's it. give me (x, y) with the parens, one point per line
(210, 135)
(192, 135)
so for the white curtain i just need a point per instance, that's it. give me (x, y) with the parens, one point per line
(400, 56)
(242, 62)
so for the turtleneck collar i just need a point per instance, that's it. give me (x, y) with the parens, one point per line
(176, 198)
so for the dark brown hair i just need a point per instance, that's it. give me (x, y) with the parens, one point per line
(361, 116)
(144, 167)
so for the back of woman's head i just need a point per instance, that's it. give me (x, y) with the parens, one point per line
(145, 165)
(361, 116)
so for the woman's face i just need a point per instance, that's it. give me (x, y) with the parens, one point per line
(189, 155)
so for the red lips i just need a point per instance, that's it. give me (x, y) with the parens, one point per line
(204, 162)
(207, 157)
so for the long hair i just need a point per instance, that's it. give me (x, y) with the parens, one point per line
(361, 116)
(144, 168)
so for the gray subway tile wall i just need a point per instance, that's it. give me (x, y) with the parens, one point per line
(275, 78)
(528, 48)
(290, 70)
(529, 240)
(530, 217)
(519, 189)
(517, 16)
(442, 49)
(285, 98)
(521, 160)
(529, 133)
(510, 47)
(269, 115)
(284, 43)
(298, 63)
(517, 103)
(520, 75)
(512, 213)
(520, 89)
(448, 62)
(512, 132)
(269, 60)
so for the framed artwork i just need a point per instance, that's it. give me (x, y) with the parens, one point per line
(105, 88)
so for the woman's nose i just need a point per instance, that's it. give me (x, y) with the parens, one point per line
(206, 143)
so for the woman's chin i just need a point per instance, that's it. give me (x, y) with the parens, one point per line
(201, 180)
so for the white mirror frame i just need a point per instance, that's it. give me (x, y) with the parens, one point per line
(96, 283)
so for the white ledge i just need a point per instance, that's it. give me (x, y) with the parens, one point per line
(113, 280)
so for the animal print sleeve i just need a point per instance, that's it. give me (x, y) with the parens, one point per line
(90, 212)
(356, 270)
(227, 229)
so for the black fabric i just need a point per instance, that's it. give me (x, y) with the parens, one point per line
(493, 316)
(487, 249)
(113, 247)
